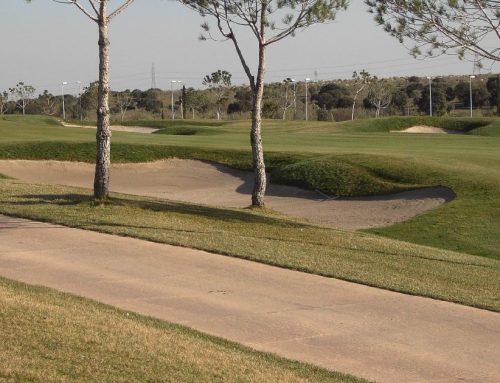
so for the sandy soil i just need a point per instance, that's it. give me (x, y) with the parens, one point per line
(426, 129)
(118, 128)
(212, 184)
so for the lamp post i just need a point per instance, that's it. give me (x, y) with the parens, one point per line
(470, 92)
(307, 82)
(62, 95)
(80, 98)
(172, 91)
(430, 95)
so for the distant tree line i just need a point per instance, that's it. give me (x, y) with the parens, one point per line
(329, 100)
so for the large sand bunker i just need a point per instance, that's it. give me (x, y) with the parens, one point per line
(217, 185)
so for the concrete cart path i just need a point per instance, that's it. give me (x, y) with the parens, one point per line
(371, 333)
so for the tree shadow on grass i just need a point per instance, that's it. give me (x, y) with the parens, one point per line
(162, 206)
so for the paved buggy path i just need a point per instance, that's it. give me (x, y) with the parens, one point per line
(371, 333)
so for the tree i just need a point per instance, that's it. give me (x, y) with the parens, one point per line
(4, 101)
(493, 85)
(442, 26)
(98, 12)
(290, 96)
(361, 80)
(480, 94)
(48, 104)
(242, 101)
(268, 21)
(379, 95)
(218, 82)
(333, 96)
(123, 101)
(439, 104)
(22, 95)
(196, 101)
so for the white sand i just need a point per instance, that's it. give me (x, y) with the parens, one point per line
(217, 185)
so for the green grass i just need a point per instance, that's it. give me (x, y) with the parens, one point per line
(39, 343)
(268, 238)
(341, 158)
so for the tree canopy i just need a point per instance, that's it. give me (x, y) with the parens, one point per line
(443, 26)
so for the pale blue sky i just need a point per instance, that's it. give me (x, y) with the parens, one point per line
(46, 43)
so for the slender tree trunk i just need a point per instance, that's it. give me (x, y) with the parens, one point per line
(259, 167)
(103, 136)
(353, 107)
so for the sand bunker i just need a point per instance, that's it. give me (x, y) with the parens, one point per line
(118, 128)
(427, 129)
(217, 185)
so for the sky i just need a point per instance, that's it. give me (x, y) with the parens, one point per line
(45, 43)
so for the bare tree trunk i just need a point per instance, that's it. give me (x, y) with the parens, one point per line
(103, 136)
(353, 107)
(259, 167)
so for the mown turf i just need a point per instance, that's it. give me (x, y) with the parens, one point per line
(268, 238)
(47, 336)
(342, 159)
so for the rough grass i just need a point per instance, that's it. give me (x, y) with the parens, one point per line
(47, 336)
(268, 238)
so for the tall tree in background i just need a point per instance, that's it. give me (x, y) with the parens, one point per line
(97, 11)
(443, 26)
(219, 83)
(379, 95)
(268, 21)
(22, 95)
(361, 80)
(4, 101)
(290, 96)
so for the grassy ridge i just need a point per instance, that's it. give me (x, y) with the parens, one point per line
(387, 124)
(268, 238)
(103, 344)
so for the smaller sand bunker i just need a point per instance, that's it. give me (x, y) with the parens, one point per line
(427, 129)
(217, 185)
(118, 128)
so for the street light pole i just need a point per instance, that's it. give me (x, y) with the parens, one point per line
(470, 92)
(307, 82)
(430, 95)
(172, 92)
(62, 95)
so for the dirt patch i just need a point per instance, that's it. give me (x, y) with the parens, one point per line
(427, 129)
(118, 128)
(217, 185)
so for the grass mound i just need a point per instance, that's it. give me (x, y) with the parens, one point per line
(14, 120)
(161, 124)
(387, 124)
(337, 177)
(49, 336)
(187, 130)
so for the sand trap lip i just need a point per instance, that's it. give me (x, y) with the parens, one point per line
(427, 129)
(118, 128)
(217, 185)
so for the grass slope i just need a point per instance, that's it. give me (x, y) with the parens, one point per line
(103, 344)
(268, 238)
